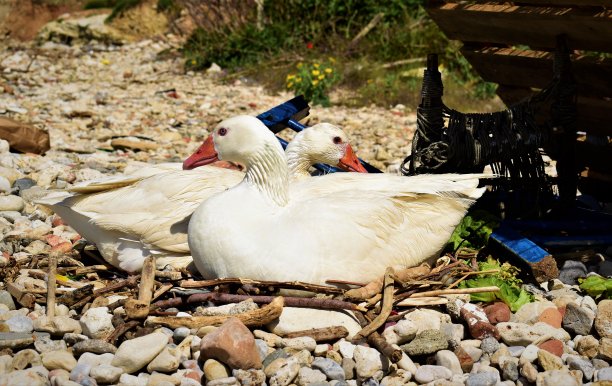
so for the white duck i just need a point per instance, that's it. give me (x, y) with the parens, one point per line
(129, 219)
(344, 226)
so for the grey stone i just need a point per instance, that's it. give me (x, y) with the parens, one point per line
(348, 366)
(11, 203)
(556, 378)
(274, 355)
(250, 377)
(15, 340)
(454, 332)
(180, 334)
(308, 376)
(604, 374)
(571, 271)
(23, 184)
(482, 379)
(368, 362)
(489, 345)
(575, 362)
(516, 351)
(95, 346)
(449, 360)
(106, 373)
(427, 342)
(330, 368)
(46, 344)
(20, 323)
(510, 371)
(578, 320)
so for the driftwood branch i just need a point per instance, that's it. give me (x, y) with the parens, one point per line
(72, 297)
(251, 318)
(380, 343)
(374, 287)
(129, 282)
(121, 330)
(326, 334)
(290, 301)
(365, 30)
(262, 283)
(385, 311)
(454, 291)
(139, 309)
(51, 286)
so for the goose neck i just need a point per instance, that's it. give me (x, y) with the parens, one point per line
(268, 172)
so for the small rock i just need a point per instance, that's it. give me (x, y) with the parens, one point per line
(430, 373)
(298, 319)
(346, 349)
(7, 299)
(465, 359)
(551, 316)
(105, 374)
(46, 344)
(233, 344)
(406, 330)
(530, 312)
(603, 321)
(575, 362)
(448, 359)
(58, 360)
(298, 344)
(571, 271)
(529, 355)
(498, 312)
(180, 333)
(605, 349)
(330, 368)
(20, 323)
(30, 377)
(454, 333)
(604, 374)
(426, 319)
(285, 375)
(556, 378)
(307, 376)
(25, 358)
(367, 362)
(214, 370)
(510, 371)
(97, 323)
(521, 334)
(553, 346)
(549, 361)
(11, 203)
(578, 320)
(587, 346)
(249, 377)
(529, 372)
(489, 345)
(166, 361)
(280, 353)
(60, 325)
(96, 346)
(426, 342)
(136, 353)
(482, 379)
(348, 366)
(477, 322)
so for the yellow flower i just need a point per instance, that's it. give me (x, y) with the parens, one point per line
(322, 76)
(290, 84)
(193, 61)
(299, 65)
(370, 81)
(316, 72)
(290, 76)
(316, 65)
(298, 80)
(329, 70)
(315, 82)
(331, 59)
(105, 62)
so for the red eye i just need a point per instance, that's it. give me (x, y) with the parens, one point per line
(337, 140)
(222, 131)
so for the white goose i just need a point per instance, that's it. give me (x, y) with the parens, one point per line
(129, 219)
(344, 226)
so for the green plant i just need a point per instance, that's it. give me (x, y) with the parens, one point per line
(313, 80)
(597, 286)
(474, 230)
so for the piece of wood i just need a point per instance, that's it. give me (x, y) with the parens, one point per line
(552, 3)
(120, 330)
(586, 29)
(51, 286)
(326, 334)
(422, 302)
(593, 75)
(374, 287)
(365, 30)
(385, 311)
(126, 283)
(253, 318)
(170, 275)
(262, 283)
(380, 343)
(139, 308)
(72, 297)
(454, 291)
(290, 301)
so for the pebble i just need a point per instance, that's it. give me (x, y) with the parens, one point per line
(11, 203)
(489, 345)
(430, 373)
(95, 346)
(105, 374)
(482, 379)
(20, 323)
(575, 362)
(553, 346)
(132, 355)
(426, 342)
(426, 319)
(307, 376)
(578, 320)
(285, 374)
(551, 316)
(233, 344)
(166, 361)
(571, 271)
(298, 319)
(530, 312)
(605, 349)
(448, 359)
(556, 378)
(368, 362)
(298, 344)
(7, 299)
(603, 321)
(604, 374)
(58, 360)
(96, 323)
(214, 370)
(549, 361)
(330, 368)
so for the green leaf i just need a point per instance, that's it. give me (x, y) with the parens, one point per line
(511, 294)
(597, 286)
(474, 230)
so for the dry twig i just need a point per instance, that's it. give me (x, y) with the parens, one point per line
(387, 305)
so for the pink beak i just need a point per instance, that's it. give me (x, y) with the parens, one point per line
(350, 162)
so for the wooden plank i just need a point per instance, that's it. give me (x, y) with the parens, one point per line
(533, 26)
(594, 115)
(593, 75)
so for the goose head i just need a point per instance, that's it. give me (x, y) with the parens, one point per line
(241, 139)
(323, 143)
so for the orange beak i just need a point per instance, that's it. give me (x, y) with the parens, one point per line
(206, 154)
(350, 162)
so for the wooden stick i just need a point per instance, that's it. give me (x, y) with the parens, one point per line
(421, 302)
(162, 290)
(385, 311)
(374, 287)
(251, 318)
(290, 301)
(72, 297)
(51, 286)
(23, 297)
(380, 343)
(129, 282)
(454, 291)
(120, 330)
(326, 334)
(170, 275)
(261, 283)
(365, 30)
(139, 308)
